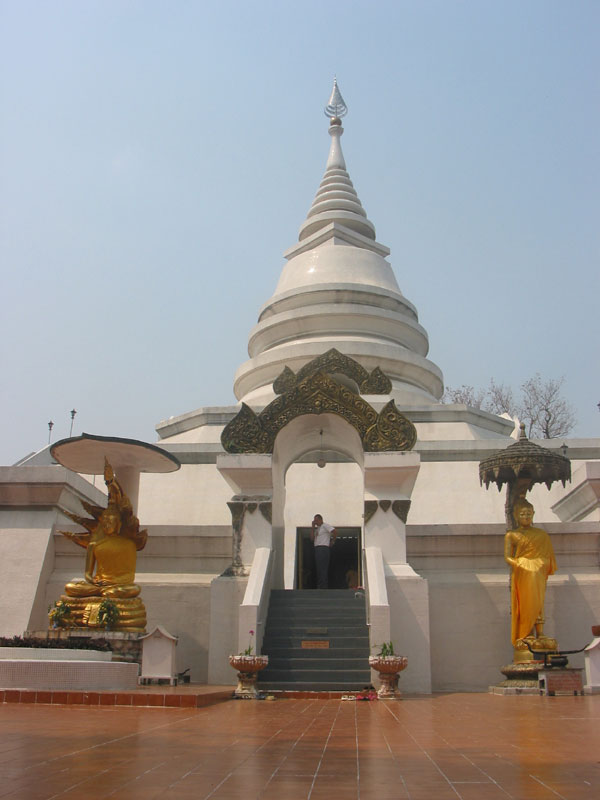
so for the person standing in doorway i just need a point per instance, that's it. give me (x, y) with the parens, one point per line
(323, 537)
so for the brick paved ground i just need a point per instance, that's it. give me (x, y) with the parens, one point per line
(469, 746)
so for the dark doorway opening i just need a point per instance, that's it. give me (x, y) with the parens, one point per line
(345, 567)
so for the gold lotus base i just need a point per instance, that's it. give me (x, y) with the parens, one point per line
(523, 672)
(84, 613)
(542, 644)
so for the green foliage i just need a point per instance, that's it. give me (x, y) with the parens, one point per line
(387, 649)
(72, 643)
(58, 614)
(108, 613)
(248, 650)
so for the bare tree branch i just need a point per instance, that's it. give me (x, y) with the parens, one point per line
(544, 411)
(466, 395)
(541, 407)
(500, 399)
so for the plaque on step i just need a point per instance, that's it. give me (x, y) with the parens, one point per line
(317, 631)
(315, 644)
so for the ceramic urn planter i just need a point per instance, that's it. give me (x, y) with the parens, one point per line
(248, 668)
(389, 669)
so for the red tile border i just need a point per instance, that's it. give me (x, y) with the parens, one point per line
(138, 699)
(173, 700)
(124, 699)
(154, 699)
(188, 701)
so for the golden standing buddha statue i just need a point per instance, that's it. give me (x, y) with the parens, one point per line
(112, 541)
(529, 552)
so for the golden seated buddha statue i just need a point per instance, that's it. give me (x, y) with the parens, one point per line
(112, 540)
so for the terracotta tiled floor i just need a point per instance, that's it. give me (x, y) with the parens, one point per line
(470, 746)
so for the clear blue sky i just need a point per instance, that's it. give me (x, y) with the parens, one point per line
(158, 157)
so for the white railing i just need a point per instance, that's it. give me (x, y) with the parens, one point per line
(254, 607)
(377, 598)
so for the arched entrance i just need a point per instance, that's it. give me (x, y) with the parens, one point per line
(301, 489)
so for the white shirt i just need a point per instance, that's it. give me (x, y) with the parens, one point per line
(323, 535)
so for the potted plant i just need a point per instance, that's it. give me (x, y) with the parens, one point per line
(248, 667)
(389, 666)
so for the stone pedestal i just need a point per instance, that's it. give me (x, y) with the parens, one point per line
(389, 669)
(125, 646)
(523, 672)
(248, 668)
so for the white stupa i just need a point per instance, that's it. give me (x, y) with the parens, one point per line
(337, 371)
(338, 290)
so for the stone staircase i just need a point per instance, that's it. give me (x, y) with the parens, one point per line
(333, 627)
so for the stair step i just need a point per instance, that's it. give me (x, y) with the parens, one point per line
(358, 663)
(337, 617)
(316, 686)
(294, 612)
(314, 675)
(326, 655)
(304, 632)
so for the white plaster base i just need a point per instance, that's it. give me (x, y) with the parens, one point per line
(52, 654)
(409, 630)
(69, 675)
(226, 596)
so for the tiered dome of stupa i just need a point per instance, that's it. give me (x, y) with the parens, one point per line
(337, 290)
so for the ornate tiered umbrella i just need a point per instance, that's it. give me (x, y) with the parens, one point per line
(520, 466)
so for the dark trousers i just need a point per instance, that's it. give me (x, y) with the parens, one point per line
(322, 560)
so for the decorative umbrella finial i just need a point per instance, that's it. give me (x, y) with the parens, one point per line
(336, 108)
(520, 466)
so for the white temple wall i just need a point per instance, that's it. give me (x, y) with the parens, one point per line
(226, 596)
(26, 558)
(194, 495)
(31, 498)
(470, 629)
(470, 624)
(449, 492)
(410, 630)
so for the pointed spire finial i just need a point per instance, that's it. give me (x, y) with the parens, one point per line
(336, 108)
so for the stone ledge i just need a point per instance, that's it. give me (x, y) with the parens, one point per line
(127, 699)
